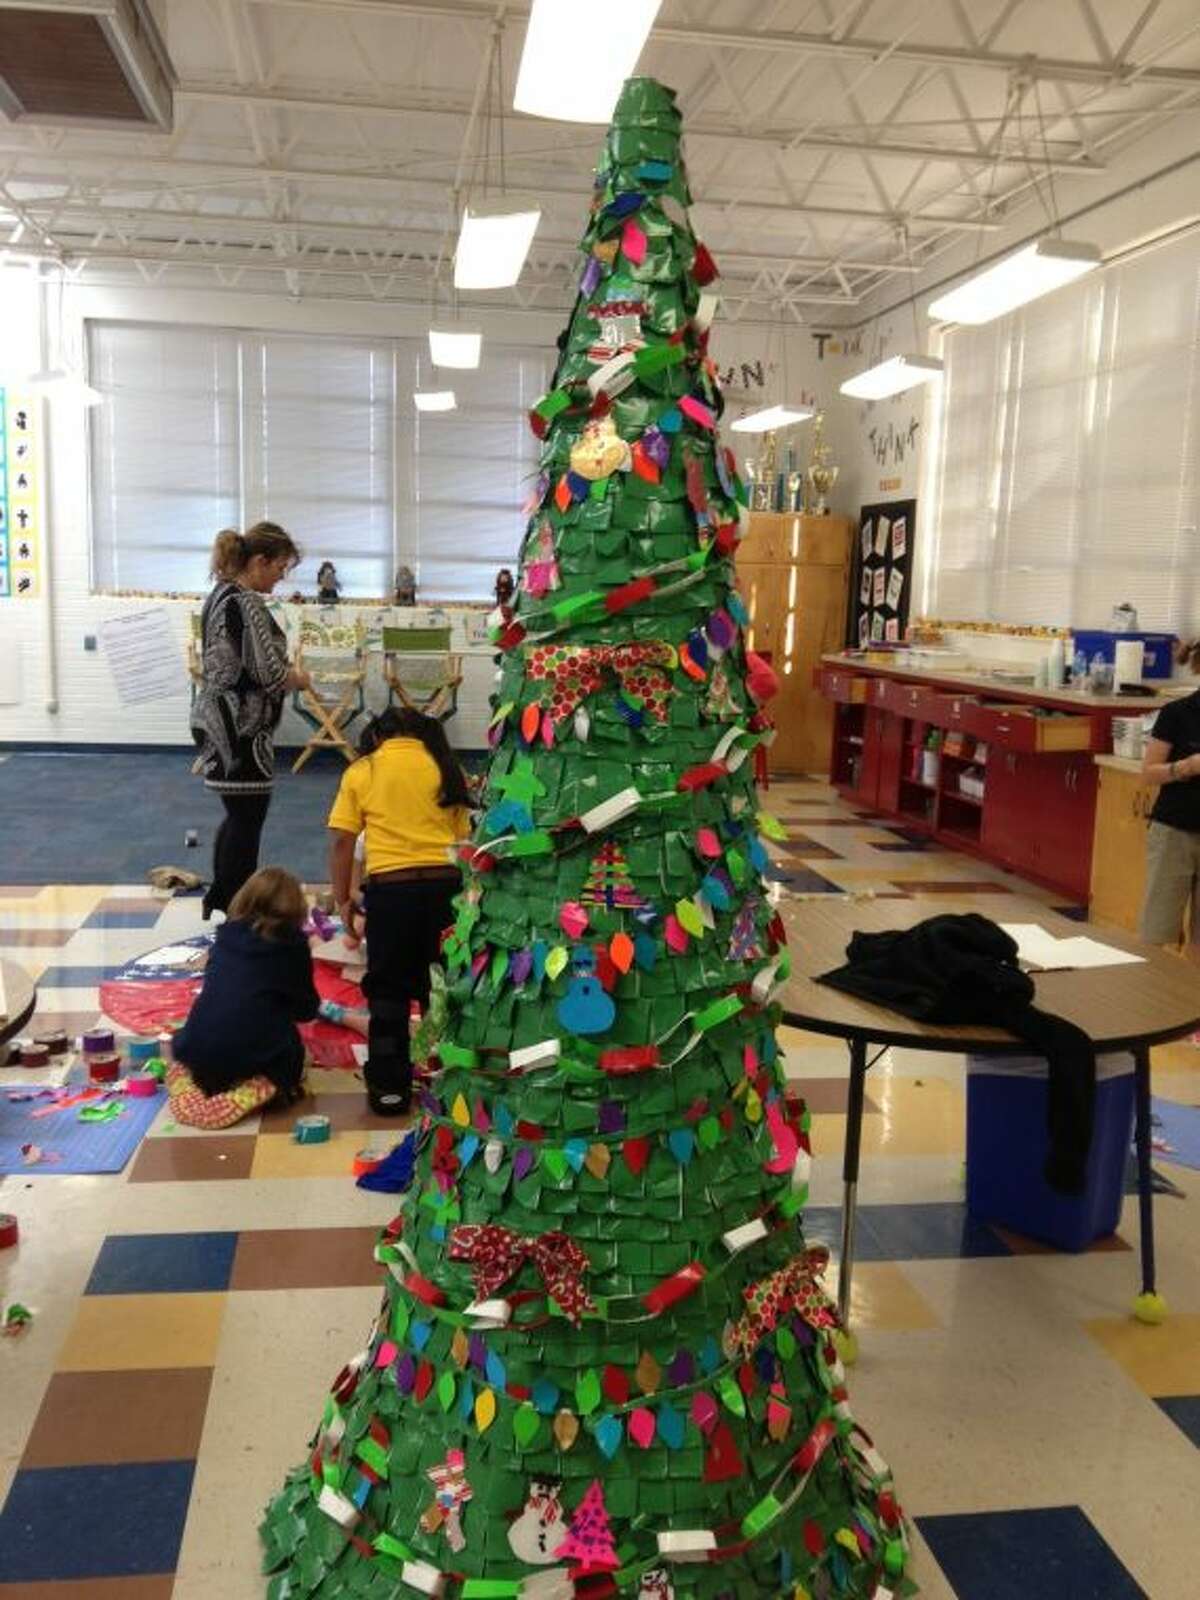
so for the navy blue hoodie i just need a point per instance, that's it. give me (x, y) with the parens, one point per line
(244, 1020)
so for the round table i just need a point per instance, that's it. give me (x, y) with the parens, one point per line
(1121, 1008)
(20, 997)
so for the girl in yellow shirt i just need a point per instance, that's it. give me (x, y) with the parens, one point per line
(408, 797)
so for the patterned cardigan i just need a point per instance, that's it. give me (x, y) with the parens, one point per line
(240, 700)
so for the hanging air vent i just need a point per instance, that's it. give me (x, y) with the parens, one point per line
(101, 62)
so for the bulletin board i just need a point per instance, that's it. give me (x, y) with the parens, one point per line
(881, 581)
(20, 496)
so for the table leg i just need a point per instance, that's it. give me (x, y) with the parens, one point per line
(1141, 1058)
(854, 1116)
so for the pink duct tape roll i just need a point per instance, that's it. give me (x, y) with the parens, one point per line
(141, 1085)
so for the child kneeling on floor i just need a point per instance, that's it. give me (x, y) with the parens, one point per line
(240, 1046)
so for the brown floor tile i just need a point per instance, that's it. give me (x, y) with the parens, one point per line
(827, 1094)
(1020, 1245)
(349, 1113)
(50, 938)
(148, 1586)
(918, 886)
(806, 849)
(97, 1418)
(305, 1258)
(217, 1155)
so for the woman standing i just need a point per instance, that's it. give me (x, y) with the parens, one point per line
(245, 675)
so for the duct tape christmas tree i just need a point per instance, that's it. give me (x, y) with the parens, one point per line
(604, 1363)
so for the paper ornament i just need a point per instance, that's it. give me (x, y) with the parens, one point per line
(451, 1493)
(539, 1529)
(585, 1008)
(600, 451)
(566, 1429)
(589, 1541)
(656, 1585)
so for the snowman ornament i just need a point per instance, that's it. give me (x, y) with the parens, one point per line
(539, 1530)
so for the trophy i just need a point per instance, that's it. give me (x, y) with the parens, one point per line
(764, 489)
(822, 475)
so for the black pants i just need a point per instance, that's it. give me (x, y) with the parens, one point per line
(235, 849)
(405, 921)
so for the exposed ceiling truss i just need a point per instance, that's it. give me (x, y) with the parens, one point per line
(323, 147)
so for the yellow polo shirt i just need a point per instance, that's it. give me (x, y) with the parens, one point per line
(392, 798)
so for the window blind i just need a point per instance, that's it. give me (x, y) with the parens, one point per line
(208, 428)
(1067, 468)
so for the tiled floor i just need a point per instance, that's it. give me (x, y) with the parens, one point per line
(191, 1312)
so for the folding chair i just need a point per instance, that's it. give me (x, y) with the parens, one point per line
(421, 671)
(195, 653)
(332, 653)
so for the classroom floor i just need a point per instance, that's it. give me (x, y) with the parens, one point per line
(191, 1312)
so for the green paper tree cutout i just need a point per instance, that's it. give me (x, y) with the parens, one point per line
(703, 1308)
(609, 882)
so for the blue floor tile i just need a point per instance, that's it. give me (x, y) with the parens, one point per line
(801, 880)
(123, 919)
(1051, 1553)
(75, 977)
(163, 1263)
(94, 1522)
(1184, 1412)
(935, 1232)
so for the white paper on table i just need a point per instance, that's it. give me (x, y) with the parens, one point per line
(1041, 950)
(1036, 947)
(1082, 952)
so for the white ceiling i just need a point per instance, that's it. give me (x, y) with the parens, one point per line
(322, 148)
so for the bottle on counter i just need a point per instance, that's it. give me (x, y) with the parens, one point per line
(1079, 670)
(1056, 665)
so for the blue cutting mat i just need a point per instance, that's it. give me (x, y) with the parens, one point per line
(1179, 1127)
(83, 1146)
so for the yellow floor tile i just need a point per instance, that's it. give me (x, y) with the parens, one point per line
(881, 1296)
(118, 1332)
(71, 899)
(1161, 1361)
(277, 1155)
(926, 1119)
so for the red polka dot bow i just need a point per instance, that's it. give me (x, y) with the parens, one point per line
(573, 672)
(795, 1287)
(497, 1254)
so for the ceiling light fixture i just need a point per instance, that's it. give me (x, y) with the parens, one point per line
(893, 376)
(455, 347)
(435, 400)
(771, 417)
(1028, 274)
(492, 246)
(571, 78)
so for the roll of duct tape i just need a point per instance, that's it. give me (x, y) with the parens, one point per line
(141, 1085)
(34, 1055)
(98, 1042)
(56, 1041)
(104, 1068)
(312, 1130)
(142, 1050)
(9, 1232)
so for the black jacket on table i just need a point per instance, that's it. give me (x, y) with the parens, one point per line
(963, 969)
(244, 1020)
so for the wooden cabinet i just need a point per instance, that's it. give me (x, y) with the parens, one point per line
(793, 575)
(1123, 806)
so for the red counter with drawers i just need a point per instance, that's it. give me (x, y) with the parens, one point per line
(1014, 782)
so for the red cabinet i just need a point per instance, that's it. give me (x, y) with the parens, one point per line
(1038, 816)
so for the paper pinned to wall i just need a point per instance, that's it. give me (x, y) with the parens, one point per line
(144, 656)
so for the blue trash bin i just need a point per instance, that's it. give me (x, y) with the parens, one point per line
(1007, 1146)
